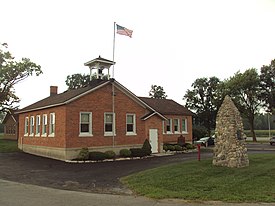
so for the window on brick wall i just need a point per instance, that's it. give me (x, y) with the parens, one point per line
(169, 126)
(85, 125)
(184, 125)
(44, 125)
(32, 125)
(37, 125)
(26, 132)
(130, 124)
(176, 125)
(52, 125)
(109, 124)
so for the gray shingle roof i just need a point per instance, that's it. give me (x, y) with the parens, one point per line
(162, 106)
(166, 106)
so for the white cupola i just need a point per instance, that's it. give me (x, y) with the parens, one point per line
(99, 64)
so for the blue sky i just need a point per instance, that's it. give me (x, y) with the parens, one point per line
(174, 42)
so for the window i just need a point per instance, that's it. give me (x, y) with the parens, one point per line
(169, 126)
(37, 125)
(26, 125)
(52, 124)
(184, 125)
(32, 125)
(44, 125)
(85, 126)
(176, 125)
(130, 124)
(109, 124)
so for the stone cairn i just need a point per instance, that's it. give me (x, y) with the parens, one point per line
(229, 150)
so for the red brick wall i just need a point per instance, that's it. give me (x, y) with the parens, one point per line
(59, 138)
(67, 119)
(173, 138)
(98, 102)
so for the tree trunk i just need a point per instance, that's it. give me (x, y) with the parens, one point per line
(251, 122)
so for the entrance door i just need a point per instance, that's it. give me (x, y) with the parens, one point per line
(153, 138)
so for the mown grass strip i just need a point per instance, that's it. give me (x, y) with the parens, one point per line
(202, 181)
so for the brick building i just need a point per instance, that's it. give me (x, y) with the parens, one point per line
(10, 123)
(102, 116)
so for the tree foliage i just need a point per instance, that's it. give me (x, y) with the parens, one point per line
(12, 72)
(76, 81)
(157, 92)
(244, 89)
(204, 99)
(267, 85)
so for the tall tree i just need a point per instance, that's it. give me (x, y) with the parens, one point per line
(12, 72)
(267, 84)
(157, 92)
(244, 89)
(204, 99)
(76, 81)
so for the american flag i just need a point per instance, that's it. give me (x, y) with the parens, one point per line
(124, 31)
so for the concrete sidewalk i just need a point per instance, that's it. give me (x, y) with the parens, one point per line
(17, 194)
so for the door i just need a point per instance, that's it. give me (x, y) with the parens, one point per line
(153, 138)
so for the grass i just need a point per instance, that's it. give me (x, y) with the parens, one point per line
(8, 145)
(202, 181)
(260, 133)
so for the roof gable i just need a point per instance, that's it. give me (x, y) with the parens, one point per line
(65, 97)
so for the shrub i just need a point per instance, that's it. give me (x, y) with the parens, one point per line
(189, 146)
(110, 154)
(171, 147)
(97, 156)
(138, 152)
(165, 148)
(83, 154)
(147, 147)
(178, 148)
(125, 153)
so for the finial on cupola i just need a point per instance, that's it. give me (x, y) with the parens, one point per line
(99, 64)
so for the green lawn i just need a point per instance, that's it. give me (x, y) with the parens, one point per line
(8, 145)
(202, 181)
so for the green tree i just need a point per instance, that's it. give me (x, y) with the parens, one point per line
(244, 89)
(204, 100)
(157, 92)
(76, 81)
(267, 84)
(12, 72)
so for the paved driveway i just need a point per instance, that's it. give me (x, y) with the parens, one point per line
(100, 177)
(89, 177)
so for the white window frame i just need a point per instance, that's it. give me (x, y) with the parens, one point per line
(113, 132)
(171, 126)
(184, 130)
(26, 128)
(52, 125)
(178, 125)
(37, 125)
(32, 126)
(134, 124)
(90, 133)
(44, 125)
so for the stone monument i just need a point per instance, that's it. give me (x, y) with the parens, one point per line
(229, 150)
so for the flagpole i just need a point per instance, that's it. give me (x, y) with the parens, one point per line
(114, 41)
(113, 87)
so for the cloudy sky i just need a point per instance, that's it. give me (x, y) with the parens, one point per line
(174, 41)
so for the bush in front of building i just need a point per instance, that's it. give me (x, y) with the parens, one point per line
(147, 147)
(97, 156)
(138, 152)
(83, 154)
(110, 154)
(125, 153)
